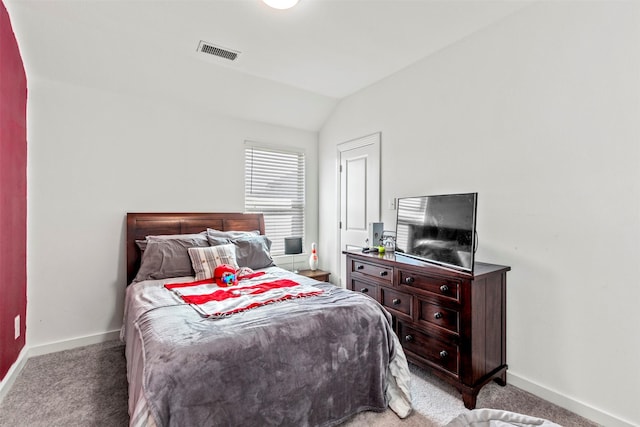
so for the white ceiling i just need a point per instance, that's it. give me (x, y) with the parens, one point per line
(294, 65)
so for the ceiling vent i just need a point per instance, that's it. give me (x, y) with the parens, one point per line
(214, 50)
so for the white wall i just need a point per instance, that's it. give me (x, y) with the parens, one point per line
(93, 157)
(540, 114)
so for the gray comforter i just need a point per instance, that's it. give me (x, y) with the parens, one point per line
(306, 362)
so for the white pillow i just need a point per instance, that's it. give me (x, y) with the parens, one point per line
(205, 260)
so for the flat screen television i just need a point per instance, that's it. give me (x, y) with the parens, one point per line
(440, 229)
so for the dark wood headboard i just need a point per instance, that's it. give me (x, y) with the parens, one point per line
(140, 225)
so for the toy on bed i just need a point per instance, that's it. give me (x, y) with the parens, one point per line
(225, 275)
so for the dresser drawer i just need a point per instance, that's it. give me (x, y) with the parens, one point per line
(366, 288)
(398, 303)
(437, 286)
(435, 315)
(378, 272)
(434, 351)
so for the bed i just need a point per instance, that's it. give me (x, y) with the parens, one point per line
(310, 354)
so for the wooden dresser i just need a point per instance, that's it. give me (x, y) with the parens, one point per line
(449, 322)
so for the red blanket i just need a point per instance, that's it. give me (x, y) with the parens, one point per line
(211, 300)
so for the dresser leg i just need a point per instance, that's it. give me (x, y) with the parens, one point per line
(469, 399)
(501, 379)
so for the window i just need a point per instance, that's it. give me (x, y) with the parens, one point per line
(274, 185)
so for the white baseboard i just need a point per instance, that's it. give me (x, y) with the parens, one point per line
(13, 372)
(594, 414)
(56, 346)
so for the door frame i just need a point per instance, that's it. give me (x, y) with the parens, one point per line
(374, 139)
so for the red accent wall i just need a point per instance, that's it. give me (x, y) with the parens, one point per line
(13, 194)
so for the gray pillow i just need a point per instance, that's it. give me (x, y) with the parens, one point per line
(168, 256)
(212, 233)
(142, 244)
(253, 251)
(217, 241)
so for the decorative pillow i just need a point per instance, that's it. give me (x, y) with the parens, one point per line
(167, 256)
(205, 260)
(253, 251)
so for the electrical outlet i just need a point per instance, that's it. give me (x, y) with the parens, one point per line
(16, 326)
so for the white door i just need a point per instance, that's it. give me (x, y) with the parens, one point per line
(359, 193)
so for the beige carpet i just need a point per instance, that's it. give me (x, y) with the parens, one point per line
(436, 403)
(87, 386)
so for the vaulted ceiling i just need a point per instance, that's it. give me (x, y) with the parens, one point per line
(294, 65)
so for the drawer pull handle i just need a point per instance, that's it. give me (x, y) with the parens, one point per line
(396, 301)
(360, 267)
(444, 289)
(364, 290)
(408, 338)
(384, 273)
(409, 280)
(437, 315)
(443, 354)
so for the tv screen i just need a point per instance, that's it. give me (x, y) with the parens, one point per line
(438, 229)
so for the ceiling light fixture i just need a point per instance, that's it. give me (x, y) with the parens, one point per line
(281, 4)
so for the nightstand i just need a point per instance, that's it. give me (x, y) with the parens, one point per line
(321, 275)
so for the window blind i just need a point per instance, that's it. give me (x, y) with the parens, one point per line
(274, 185)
